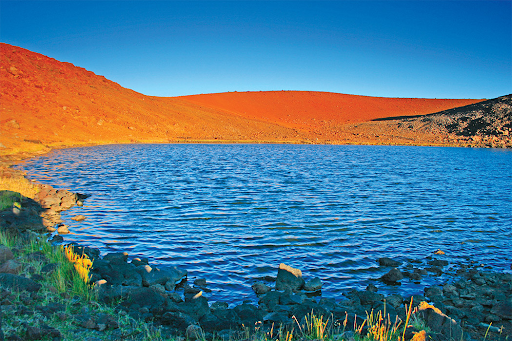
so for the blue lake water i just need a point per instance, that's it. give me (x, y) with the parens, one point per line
(232, 213)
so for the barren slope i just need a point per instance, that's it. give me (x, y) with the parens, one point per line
(45, 103)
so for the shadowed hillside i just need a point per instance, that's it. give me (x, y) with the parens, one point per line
(49, 104)
(484, 124)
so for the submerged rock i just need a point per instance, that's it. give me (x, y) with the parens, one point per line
(385, 261)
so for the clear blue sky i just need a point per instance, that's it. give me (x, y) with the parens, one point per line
(433, 49)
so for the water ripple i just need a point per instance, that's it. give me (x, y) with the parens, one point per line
(232, 213)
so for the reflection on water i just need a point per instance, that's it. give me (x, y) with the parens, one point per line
(232, 213)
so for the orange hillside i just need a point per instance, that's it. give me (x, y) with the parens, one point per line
(45, 103)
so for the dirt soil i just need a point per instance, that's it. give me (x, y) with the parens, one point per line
(45, 104)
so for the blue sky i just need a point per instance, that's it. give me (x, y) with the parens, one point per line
(432, 49)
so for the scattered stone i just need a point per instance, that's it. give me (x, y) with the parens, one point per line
(79, 218)
(63, 229)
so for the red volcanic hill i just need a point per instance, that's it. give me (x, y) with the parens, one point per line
(45, 103)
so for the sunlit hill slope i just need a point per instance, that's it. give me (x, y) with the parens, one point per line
(45, 103)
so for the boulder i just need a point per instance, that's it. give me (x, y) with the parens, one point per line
(440, 323)
(289, 278)
(393, 276)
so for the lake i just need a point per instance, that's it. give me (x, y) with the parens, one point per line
(232, 213)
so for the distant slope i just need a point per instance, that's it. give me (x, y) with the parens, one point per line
(305, 109)
(45, 104)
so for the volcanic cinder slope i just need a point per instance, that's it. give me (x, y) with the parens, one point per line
(47, 104)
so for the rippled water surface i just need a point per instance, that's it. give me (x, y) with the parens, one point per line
(232, 213)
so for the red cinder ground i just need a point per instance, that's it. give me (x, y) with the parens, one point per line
(45, 104)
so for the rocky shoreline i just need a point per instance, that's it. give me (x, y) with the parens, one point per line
(474, 302)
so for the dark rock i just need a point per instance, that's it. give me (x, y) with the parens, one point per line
(433, 291)
(302, 310)
(372, 288)
(116, 258)
(219, 305)
(393, 276)
(196, 307)
(438, 262)
(503, 309)
(270, 299)
(260, 288)
(276, 318)
(37, 256)
(290, 299)
(220, 319)
(314, 284)
(289, 278)
(177, 320)
(395, 300)
(194, 332)
(163, 275)
(369, 298)
(200, 282)
(435, 270)
(249, 314)
(106, 322)
(49, 268)
(18, 283)
(389, 262)
(42, 332)
(140, 261)
(85, 321)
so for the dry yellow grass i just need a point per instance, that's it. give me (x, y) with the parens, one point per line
(19, 185)
(12, 189)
